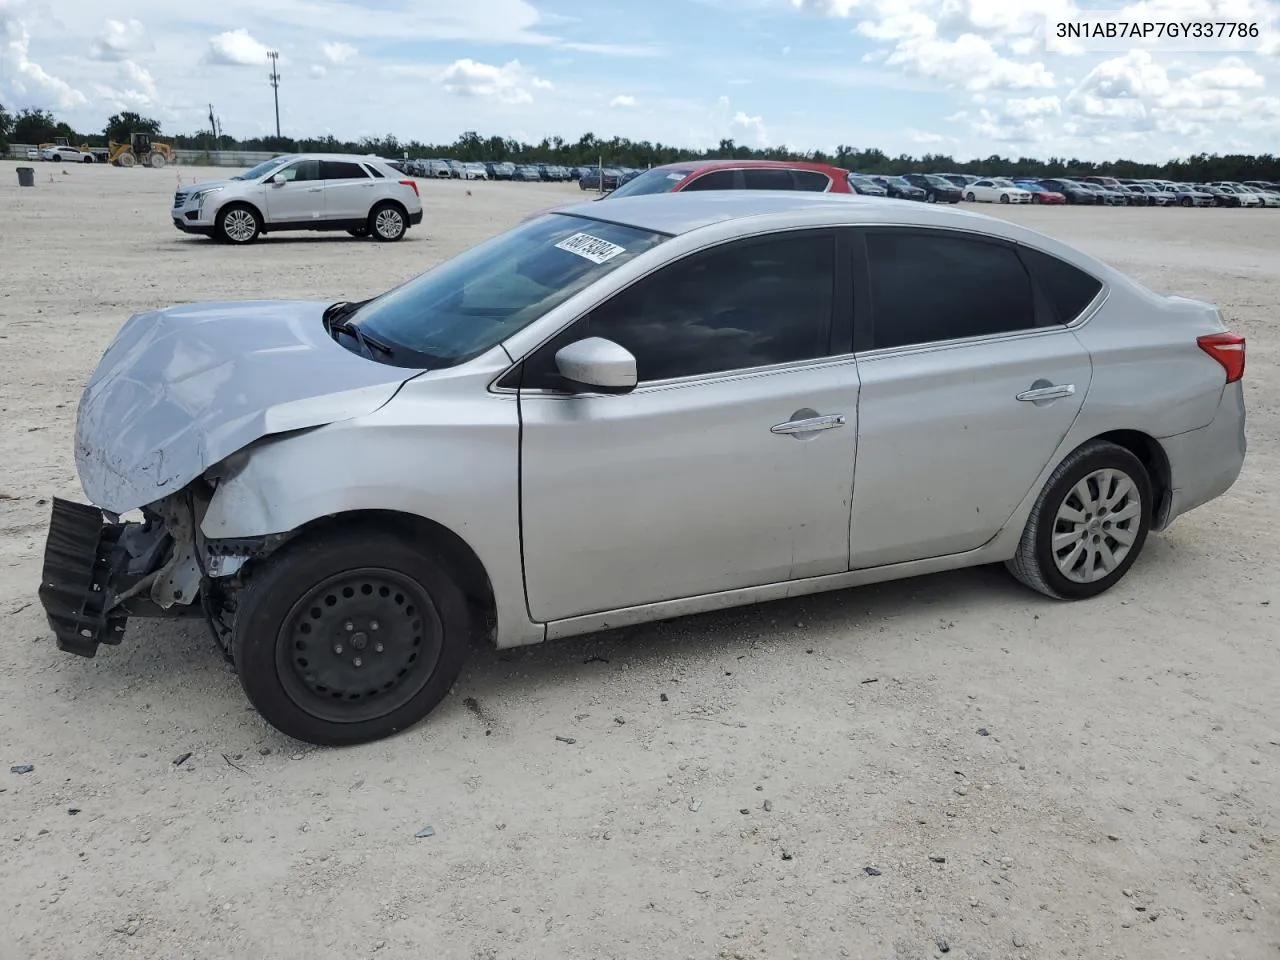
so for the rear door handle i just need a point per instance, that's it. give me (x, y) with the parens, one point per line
(809, 424)
(1051, 392)
(314, 189)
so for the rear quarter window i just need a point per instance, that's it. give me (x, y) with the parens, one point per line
(810, 180)
(1068, 289)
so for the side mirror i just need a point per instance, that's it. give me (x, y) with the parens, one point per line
(596, 365)
(277, 181)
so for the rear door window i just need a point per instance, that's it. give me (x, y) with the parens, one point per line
(341, 170)
(929, 286)
(767, 178)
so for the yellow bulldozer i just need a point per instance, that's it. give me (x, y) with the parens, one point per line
(140, 149)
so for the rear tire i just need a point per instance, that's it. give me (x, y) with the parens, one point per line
(127, 160)
(349, 636)
(387, 222)
(970, 197)
(1088, 526)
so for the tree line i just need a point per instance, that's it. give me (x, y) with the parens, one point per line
(31, 125)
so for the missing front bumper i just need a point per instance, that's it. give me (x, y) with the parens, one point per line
(81, 555)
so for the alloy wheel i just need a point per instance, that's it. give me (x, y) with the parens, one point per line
(389, 223)
(1096, 525)
(239, 225)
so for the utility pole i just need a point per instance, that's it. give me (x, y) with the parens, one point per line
(274, 77)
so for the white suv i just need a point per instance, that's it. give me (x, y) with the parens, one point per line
(314, 191)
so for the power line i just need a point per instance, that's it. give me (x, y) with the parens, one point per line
(274, 77)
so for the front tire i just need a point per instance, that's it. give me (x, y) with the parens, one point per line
(348, 637)
(1088, 526)
(387, 222)
(239, 224)
(930, 198)
(1004, 198)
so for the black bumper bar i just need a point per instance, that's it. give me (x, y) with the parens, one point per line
(82, 553)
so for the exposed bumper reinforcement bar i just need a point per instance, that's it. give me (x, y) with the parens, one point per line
(82, 553)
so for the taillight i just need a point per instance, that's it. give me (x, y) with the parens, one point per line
(1228, 350)
(412, 183)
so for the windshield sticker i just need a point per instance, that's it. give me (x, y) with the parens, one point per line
(591, 248)
(676, 176)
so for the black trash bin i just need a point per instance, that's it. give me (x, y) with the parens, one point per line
(26, 176)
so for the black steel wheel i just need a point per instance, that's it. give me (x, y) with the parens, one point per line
(349, 636)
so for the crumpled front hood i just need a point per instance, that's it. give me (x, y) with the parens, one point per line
(180, 389)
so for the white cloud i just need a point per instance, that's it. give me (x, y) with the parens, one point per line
(1032, 107)
(236, 48)
(755, 124)
(338, 52)
(317, 70)
(925, 138)
(969, 61)
(508, 83)
(119, 39)
(27, 74)
(623, 100)
(1231, 74)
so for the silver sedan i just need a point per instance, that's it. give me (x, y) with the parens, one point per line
(704, 400)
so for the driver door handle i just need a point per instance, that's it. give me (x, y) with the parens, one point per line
(314, 189)
(809, 424)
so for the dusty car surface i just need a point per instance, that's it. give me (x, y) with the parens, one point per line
(702, 401)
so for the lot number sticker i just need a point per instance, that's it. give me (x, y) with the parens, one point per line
(591, 248)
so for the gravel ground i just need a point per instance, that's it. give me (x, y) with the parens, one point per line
(949, 764)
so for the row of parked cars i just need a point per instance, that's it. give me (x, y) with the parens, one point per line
(588, 177)
(1109, 191)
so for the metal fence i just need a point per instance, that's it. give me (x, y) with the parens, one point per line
(203, 158)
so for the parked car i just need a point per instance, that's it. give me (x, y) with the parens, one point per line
(527, 172)
(1266, 198)
(310, 191)
(501, 171)
(1134, 196)
(1190, 196)
(350, 502)
(1105, 195)
(1155, 196)
(591, 180)
(34, 154)
(737, 175)
(865, 186)
(960, 180)
(936, 189)
(1040, 193)
(1222, 198)
(64, 154)
(1110, 183)
(996, 190)
(1072, 191)
(439, 169)
(899, 189)
(474, 171)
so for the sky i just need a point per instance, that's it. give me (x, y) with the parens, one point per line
(964, 77)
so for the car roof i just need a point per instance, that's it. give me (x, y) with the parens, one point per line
(701, 165)
(763, 210)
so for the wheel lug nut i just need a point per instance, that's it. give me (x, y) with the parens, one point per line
(377, 648)
(373, 624)
(357, 662)
(337, 648)
(348, 626)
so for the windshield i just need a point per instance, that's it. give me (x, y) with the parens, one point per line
(897, 181)
(651, 181)
(939, 181)
(473, 302)
(262, 169)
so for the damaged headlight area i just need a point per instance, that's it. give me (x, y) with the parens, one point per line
(100, 570)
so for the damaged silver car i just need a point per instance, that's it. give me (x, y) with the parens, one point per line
(700, 401)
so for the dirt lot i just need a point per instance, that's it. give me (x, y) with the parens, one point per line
(1102, 779)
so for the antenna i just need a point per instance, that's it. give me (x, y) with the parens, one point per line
(274, 77)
